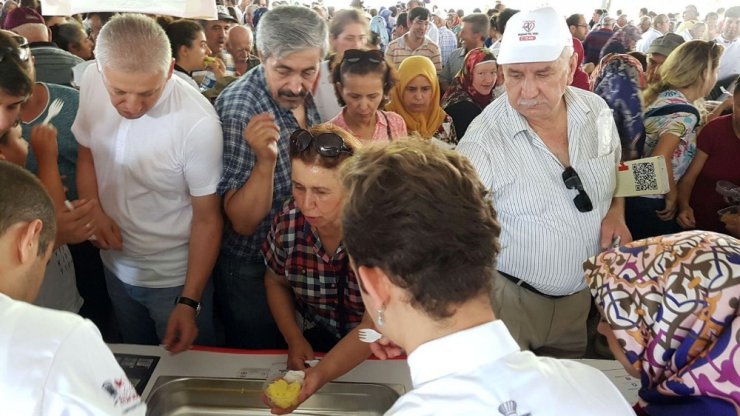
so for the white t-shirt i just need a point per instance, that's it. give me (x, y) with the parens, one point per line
(147, 170)
(729, 62)
(325, 95)
(55, 363)
(481, 369)
(59, 288)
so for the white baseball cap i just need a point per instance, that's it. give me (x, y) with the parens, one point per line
(534, 36)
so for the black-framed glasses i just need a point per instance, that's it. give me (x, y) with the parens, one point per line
(573, 181)
(23, 52)
(325, 144)
(354, 56)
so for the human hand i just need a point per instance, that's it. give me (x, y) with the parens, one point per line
(613, 227)
(44, 143)
(181, 329)
(262, 135)
(107, 233)
(385, 349)
(669, 212)
(76, 225)
(685, 217)
(299, 351)
(315, 379)
(217, 66)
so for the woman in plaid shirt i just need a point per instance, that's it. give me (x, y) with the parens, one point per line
(311, 290)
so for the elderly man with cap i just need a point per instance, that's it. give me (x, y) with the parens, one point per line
(548, 153)
(53, 64)
(216, 34)
(657, 54)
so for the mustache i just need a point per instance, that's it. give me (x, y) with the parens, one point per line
(291, 94)
(528, 103)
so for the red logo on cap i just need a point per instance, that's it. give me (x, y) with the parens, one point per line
(528, 25)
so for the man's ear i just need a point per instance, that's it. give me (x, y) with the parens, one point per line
(28, 241)
(572, 66)
(376, 284)
(171, 70)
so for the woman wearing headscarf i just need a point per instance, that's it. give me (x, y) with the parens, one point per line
(454, 23)
(471, 89)
(670, 314)
(618, 79)
(622, 41)
(416, 98)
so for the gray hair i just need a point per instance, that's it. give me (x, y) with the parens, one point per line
(133, 43)
(288, 29)
(480, 23)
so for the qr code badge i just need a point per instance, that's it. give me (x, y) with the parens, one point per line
(645, 177)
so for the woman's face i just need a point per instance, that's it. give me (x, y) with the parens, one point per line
(417, 96)
(192, 58)
(84, 47)
(616, 349)
(362, 94)
(484, 77)
(318, 194)
(354, 36)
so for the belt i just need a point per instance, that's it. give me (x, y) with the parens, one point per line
(522, 283)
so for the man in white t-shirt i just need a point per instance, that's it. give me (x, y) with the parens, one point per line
(51, 362)
(151, 153)
(729, 63)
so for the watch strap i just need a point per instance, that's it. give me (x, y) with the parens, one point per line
(189, 302)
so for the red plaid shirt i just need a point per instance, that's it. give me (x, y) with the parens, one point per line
(292, 249)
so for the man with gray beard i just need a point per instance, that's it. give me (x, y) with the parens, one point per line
(548, 153)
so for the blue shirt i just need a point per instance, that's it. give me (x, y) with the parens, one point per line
(447, 43)
(66, 141)
(236, 105)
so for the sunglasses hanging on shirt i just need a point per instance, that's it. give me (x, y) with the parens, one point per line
(573, 181)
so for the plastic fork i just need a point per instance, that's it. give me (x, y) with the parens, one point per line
(54, 109)
(369, 335)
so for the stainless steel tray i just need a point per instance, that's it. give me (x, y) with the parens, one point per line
(182, 396)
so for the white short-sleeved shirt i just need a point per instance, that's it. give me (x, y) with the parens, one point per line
(55, 363)
(479, 370)
(544, 238)
(729, 62)
(147, 170)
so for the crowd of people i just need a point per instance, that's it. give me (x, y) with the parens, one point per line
(284, 176)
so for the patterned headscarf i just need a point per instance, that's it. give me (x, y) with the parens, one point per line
(462, 86)
(622, 41)
(673, 303)
(426, 124)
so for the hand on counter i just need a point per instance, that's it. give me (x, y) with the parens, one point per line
(181, 329)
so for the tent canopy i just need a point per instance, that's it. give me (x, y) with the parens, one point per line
(194, 9)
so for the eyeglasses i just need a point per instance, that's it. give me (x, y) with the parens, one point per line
(325, 144)
(573, 181)
(23, 52)
(354, 56)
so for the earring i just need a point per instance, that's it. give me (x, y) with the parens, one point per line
(381, 317)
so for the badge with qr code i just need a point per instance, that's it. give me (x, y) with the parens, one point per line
(641, 177)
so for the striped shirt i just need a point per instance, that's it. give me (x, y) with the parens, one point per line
(398, 50)
(544, 238)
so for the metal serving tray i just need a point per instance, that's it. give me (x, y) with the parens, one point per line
(182, 396)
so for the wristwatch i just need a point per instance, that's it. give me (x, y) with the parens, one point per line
(190, 302)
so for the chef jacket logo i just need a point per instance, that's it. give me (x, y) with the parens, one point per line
(122, 392)
(528, 27)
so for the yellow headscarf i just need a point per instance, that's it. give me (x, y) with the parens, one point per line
(426, 124)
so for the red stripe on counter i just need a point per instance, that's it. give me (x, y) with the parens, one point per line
(264, 352)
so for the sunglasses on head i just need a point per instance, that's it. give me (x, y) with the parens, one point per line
(354, 56)
(325, 144)
(573, 181)
(23, 52)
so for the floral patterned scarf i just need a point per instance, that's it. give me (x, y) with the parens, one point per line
(673, 303)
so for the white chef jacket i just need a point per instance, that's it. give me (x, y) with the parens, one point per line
(55, 363)
(482, 371)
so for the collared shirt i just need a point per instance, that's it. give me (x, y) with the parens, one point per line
(385, 121)
(544, 237)
(398, 50)
(729, 62)
(481, 370)
(447, 43)
(240, 101)
(325, 288)
(647, 39)
(453, 64)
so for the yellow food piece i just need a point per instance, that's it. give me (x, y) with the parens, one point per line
(208, 60)
(283, 394)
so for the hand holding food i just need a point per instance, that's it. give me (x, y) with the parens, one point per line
(283, 391)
